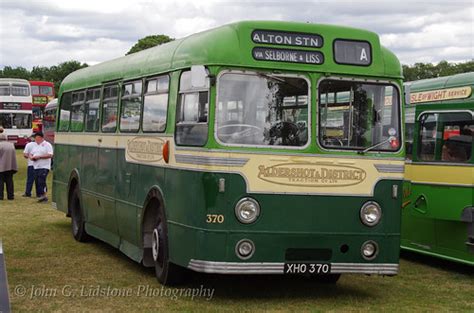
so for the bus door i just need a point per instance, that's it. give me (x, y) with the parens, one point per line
(442, 183)
(126, 173)
(419, 226)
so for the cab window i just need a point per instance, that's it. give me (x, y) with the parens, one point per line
(262, 110)
(446, 137)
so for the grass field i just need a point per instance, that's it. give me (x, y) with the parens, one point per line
(49, 271)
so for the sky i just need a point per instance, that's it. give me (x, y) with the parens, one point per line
(47, 32)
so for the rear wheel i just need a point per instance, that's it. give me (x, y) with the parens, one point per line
(77, 217)
(167, 273)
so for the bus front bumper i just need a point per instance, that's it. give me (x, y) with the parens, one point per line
(278, 268)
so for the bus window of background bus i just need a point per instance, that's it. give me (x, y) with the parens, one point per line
(20, 90)
(15, 120)
(192, 114)
(409, 130)
(110, 108)
(155, 104)
(77, 111)
(42, 90)
(358, 116)
(4, 89)
(46, 90)
(65, 112)
(262, 110)
(92, 110)
(446, 137)
(49, 120)
(131, 106)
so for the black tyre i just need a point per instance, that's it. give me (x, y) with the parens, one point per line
(77, 217)
(167, 273)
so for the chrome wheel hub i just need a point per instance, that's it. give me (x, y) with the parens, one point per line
(155, 244)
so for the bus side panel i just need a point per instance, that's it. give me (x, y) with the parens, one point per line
(127, 209)
(61, 176)
(106, 223)
(434, 224)
(184, 207)
(88, 183)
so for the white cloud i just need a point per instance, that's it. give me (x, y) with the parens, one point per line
(46, 32)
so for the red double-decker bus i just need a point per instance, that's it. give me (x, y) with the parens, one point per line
(42, 93)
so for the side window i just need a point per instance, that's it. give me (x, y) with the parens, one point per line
(155, 104)
(446, 137)
(131, 106)
(92, 110)
(77, 111)
(192, 114)
(110, 108)
(64, 112)
(49, 120)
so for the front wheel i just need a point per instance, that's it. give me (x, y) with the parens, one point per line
(167, 273)
(77, 217)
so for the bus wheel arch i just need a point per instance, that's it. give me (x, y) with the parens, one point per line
(75, 210)
(154, 202)
(73, 184)
(155, 240)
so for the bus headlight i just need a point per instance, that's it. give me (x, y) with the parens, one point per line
(369, 250)
(370, 213)
(247, 210)
(245, 249)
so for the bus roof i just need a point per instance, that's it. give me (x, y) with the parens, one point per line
(456, 88)
(458, 80)
(41, 83)
(231, 45)
(52, 104)
(14, 80)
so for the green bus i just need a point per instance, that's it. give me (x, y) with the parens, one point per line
(216, 153)
(438, 207)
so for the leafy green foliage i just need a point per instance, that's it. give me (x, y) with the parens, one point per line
(429, 70)
(149, 42)
(55, 73)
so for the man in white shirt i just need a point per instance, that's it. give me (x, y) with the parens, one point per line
(30, 176)
(41, 155)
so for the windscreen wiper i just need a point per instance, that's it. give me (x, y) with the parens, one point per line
(376, 145)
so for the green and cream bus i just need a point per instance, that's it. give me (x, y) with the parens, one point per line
(438, 208)
(252, 148)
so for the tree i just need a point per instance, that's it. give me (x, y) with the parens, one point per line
(55, 73)
(429, 70)
(17, 72)
(149, 42)
(60, 71)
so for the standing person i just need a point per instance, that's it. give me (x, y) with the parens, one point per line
(30, 176)
(8, 166)
(41, 155)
